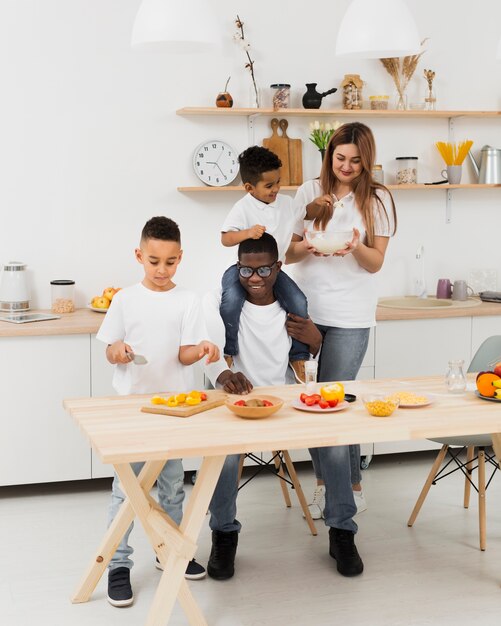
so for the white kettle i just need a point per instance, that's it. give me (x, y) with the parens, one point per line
(14, 292)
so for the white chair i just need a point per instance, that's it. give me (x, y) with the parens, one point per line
(487, 354)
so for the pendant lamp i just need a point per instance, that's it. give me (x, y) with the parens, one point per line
(186, 26)
(374, 29)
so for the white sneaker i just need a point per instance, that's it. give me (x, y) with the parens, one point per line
(317, 505)
(360, 501)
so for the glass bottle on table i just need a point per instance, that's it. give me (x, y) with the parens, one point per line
(455, 378)
(310, 376)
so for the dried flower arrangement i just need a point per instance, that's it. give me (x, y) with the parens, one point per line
(402, 70)
(430, 99)
(239, 37)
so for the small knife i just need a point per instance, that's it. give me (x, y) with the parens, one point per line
(138, 359)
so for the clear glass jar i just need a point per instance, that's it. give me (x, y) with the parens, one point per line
(455, 380)
(280, 96)
(310, 376)
(63, 296)
(378, 174)
(407, 170)
(379, 103)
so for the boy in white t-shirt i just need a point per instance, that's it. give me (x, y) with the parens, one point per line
(162, 322)
(262, 209)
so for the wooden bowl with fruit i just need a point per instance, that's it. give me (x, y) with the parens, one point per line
(254, 407)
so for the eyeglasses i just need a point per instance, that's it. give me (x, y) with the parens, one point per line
(264, 271)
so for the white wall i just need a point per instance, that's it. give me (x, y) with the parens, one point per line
(90, 146)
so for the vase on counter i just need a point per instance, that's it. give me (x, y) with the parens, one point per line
(322, 154)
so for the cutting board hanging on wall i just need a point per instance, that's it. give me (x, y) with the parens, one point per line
(280, 146)
(295, 156)
(214, 399)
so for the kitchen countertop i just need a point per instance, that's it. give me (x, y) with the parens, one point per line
(85, 321)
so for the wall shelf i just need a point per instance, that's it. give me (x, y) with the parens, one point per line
(392, 187)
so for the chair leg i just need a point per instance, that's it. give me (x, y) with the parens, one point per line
(240, 467)
(424, 491)
(481, 497)
(283, 484)
(299, 492)
(467, 485)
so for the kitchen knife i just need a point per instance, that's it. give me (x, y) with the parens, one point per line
(138, 359)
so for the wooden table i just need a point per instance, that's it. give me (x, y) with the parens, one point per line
(121, 434)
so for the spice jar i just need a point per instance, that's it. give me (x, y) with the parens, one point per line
(281, 96)
(62, 296)
(406, 170)
(378, 174)
(379, 102)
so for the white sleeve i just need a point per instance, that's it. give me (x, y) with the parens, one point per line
(193, 327)
(235, 220)
(304, 195)
(113, 328)
(216, 333)
(383, 226)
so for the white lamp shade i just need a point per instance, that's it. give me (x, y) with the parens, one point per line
(373, 29)
(186, 26)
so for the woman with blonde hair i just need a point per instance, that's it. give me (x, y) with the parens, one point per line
(341, 287)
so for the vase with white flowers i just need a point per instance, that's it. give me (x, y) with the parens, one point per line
(239, 37)
(320, 134)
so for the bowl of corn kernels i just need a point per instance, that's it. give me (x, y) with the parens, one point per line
(380, 405)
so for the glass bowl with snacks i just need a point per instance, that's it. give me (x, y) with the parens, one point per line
(380, 405)
(328, 241)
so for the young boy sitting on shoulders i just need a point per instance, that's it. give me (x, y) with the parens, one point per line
(262, 209)
(162, 322)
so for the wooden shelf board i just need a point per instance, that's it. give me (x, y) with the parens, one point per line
(392, 187)
(332, 112)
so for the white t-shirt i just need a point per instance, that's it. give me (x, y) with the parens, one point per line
(263, 342)
(155, 324)
(279, 217)
(340, 293)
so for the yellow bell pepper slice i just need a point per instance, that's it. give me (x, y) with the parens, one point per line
(195, 394)
(158, 400)
(181, 397)
(333, 392)
(192, 400)
(172, 401)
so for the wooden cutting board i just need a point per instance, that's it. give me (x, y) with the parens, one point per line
(214, 398)
(295, 156)
(280, 146)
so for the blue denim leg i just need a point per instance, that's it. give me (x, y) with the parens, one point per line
(334, 466)
(232, 300)
(343, 350)
(292, 299)
(170, 484)
(223, 506)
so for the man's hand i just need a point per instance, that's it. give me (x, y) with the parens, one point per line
(304, 330)
(234, 382)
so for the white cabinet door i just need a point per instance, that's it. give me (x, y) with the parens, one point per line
(39, 441)
(100, 381)
(419, 348)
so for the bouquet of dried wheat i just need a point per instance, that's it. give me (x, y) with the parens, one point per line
(402, 70)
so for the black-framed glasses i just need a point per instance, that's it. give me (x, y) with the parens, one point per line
(264, 271)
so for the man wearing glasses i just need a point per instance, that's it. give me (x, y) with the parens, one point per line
(264, 339)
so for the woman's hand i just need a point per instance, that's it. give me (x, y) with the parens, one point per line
(351, 246)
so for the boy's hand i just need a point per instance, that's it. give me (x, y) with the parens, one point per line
(210, 349)
(256, 231)
(234, 382)
(119, 352)
(322, 202)
(304, 330)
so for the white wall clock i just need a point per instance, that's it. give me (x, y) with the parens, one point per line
(215, 163)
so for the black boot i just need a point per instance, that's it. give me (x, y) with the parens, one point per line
(221, 564)
(342, 548)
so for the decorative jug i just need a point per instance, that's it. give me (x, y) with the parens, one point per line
(312, 99)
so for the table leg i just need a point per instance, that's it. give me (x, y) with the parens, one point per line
(113, 536)
(170, 584)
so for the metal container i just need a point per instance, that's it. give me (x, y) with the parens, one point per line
(14, 292)
(489, 172)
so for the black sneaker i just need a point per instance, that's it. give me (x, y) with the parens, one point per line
(194, 571)
(342, 548)
(222, 556)
(119, 589)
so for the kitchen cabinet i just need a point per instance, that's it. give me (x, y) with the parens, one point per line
(38, 443)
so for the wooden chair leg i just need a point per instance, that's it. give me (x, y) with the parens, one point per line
(481, 497)
(240, 467)
(424, 491)
(299, 492)
(281, 474)
(467, 485)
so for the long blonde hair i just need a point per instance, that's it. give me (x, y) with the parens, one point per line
(364, 186)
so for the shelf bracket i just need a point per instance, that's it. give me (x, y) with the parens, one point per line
(250, 128)
(448, 206)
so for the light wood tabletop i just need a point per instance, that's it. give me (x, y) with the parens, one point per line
(121, 434)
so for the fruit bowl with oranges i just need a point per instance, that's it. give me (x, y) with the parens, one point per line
(101, 303)
(488, 383)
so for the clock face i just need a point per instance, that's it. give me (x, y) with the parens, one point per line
(215, 163)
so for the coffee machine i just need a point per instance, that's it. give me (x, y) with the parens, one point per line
(14, 292)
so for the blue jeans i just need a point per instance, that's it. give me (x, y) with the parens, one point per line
(343, 350)
(170, 484)
(288, 294)
(334, 463)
